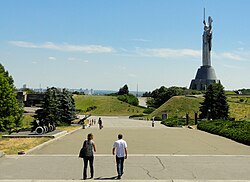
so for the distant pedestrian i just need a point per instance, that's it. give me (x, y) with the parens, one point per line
(90, 148)
(100, 123)
(153, 121)
(120, 148)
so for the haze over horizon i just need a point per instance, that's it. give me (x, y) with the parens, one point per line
(106, 44)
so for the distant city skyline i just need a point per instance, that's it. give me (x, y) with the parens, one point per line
(104, 45)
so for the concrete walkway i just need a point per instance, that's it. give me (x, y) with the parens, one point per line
(159, 153)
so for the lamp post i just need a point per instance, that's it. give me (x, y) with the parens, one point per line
(195, 118)
(208, 114)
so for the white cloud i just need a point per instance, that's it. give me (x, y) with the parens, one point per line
(51, 58)
(72, 59)
(232, 56)
(77, 59)
(169, 53)
(238, 55)
(233, 67)
(64, 47)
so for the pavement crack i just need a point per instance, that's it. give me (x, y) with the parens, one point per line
(163, 166)
(148, 173)
(192, 173)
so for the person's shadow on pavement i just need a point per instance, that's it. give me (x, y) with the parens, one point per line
(106, 178)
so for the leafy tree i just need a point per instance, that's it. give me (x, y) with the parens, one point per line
(163, 94)
(67, 106)
(125, 96)
(129, 98)
(244, 91)
(215, 104)
(28, 90)
(146, 94)
(58, 107)
(124, 90)
(11, 111)
(6, 75)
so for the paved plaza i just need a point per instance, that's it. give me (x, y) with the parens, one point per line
(155, 154)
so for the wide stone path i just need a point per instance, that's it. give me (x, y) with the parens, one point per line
(159, 153)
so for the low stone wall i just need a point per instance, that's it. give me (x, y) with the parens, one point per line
(28, 134)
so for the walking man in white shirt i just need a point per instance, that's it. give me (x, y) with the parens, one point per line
(120, 147)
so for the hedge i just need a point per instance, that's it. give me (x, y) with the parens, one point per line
(236, 130)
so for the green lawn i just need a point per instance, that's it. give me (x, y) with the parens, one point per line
(105, 105)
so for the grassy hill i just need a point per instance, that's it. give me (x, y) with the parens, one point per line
(104, 105)
(239, 108)
(178, 106)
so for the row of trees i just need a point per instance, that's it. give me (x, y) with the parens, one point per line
(11, 111)
(244, 91)
(58, 108)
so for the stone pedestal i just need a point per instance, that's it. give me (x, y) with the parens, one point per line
(204, 77)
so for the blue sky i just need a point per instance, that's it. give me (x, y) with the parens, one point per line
(104, 44)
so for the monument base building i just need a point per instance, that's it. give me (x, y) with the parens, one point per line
(204, 77)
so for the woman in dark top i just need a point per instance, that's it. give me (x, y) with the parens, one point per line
(90, 149)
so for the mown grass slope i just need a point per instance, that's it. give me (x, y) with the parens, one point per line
(104, 105)
(179, 105)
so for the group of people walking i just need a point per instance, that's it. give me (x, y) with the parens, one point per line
(119, 150)
(87, 153)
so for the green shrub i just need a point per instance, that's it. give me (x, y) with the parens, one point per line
(235, 130)
(174, 122)
(148, 110)
(129, 98)
(90, 108)
(136, 115)
(158, 118)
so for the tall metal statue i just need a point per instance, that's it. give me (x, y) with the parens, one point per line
(206, 73)
(207, 42)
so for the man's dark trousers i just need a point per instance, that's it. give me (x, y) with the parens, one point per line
(119, 165)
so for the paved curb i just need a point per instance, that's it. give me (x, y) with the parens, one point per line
(168, 180)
